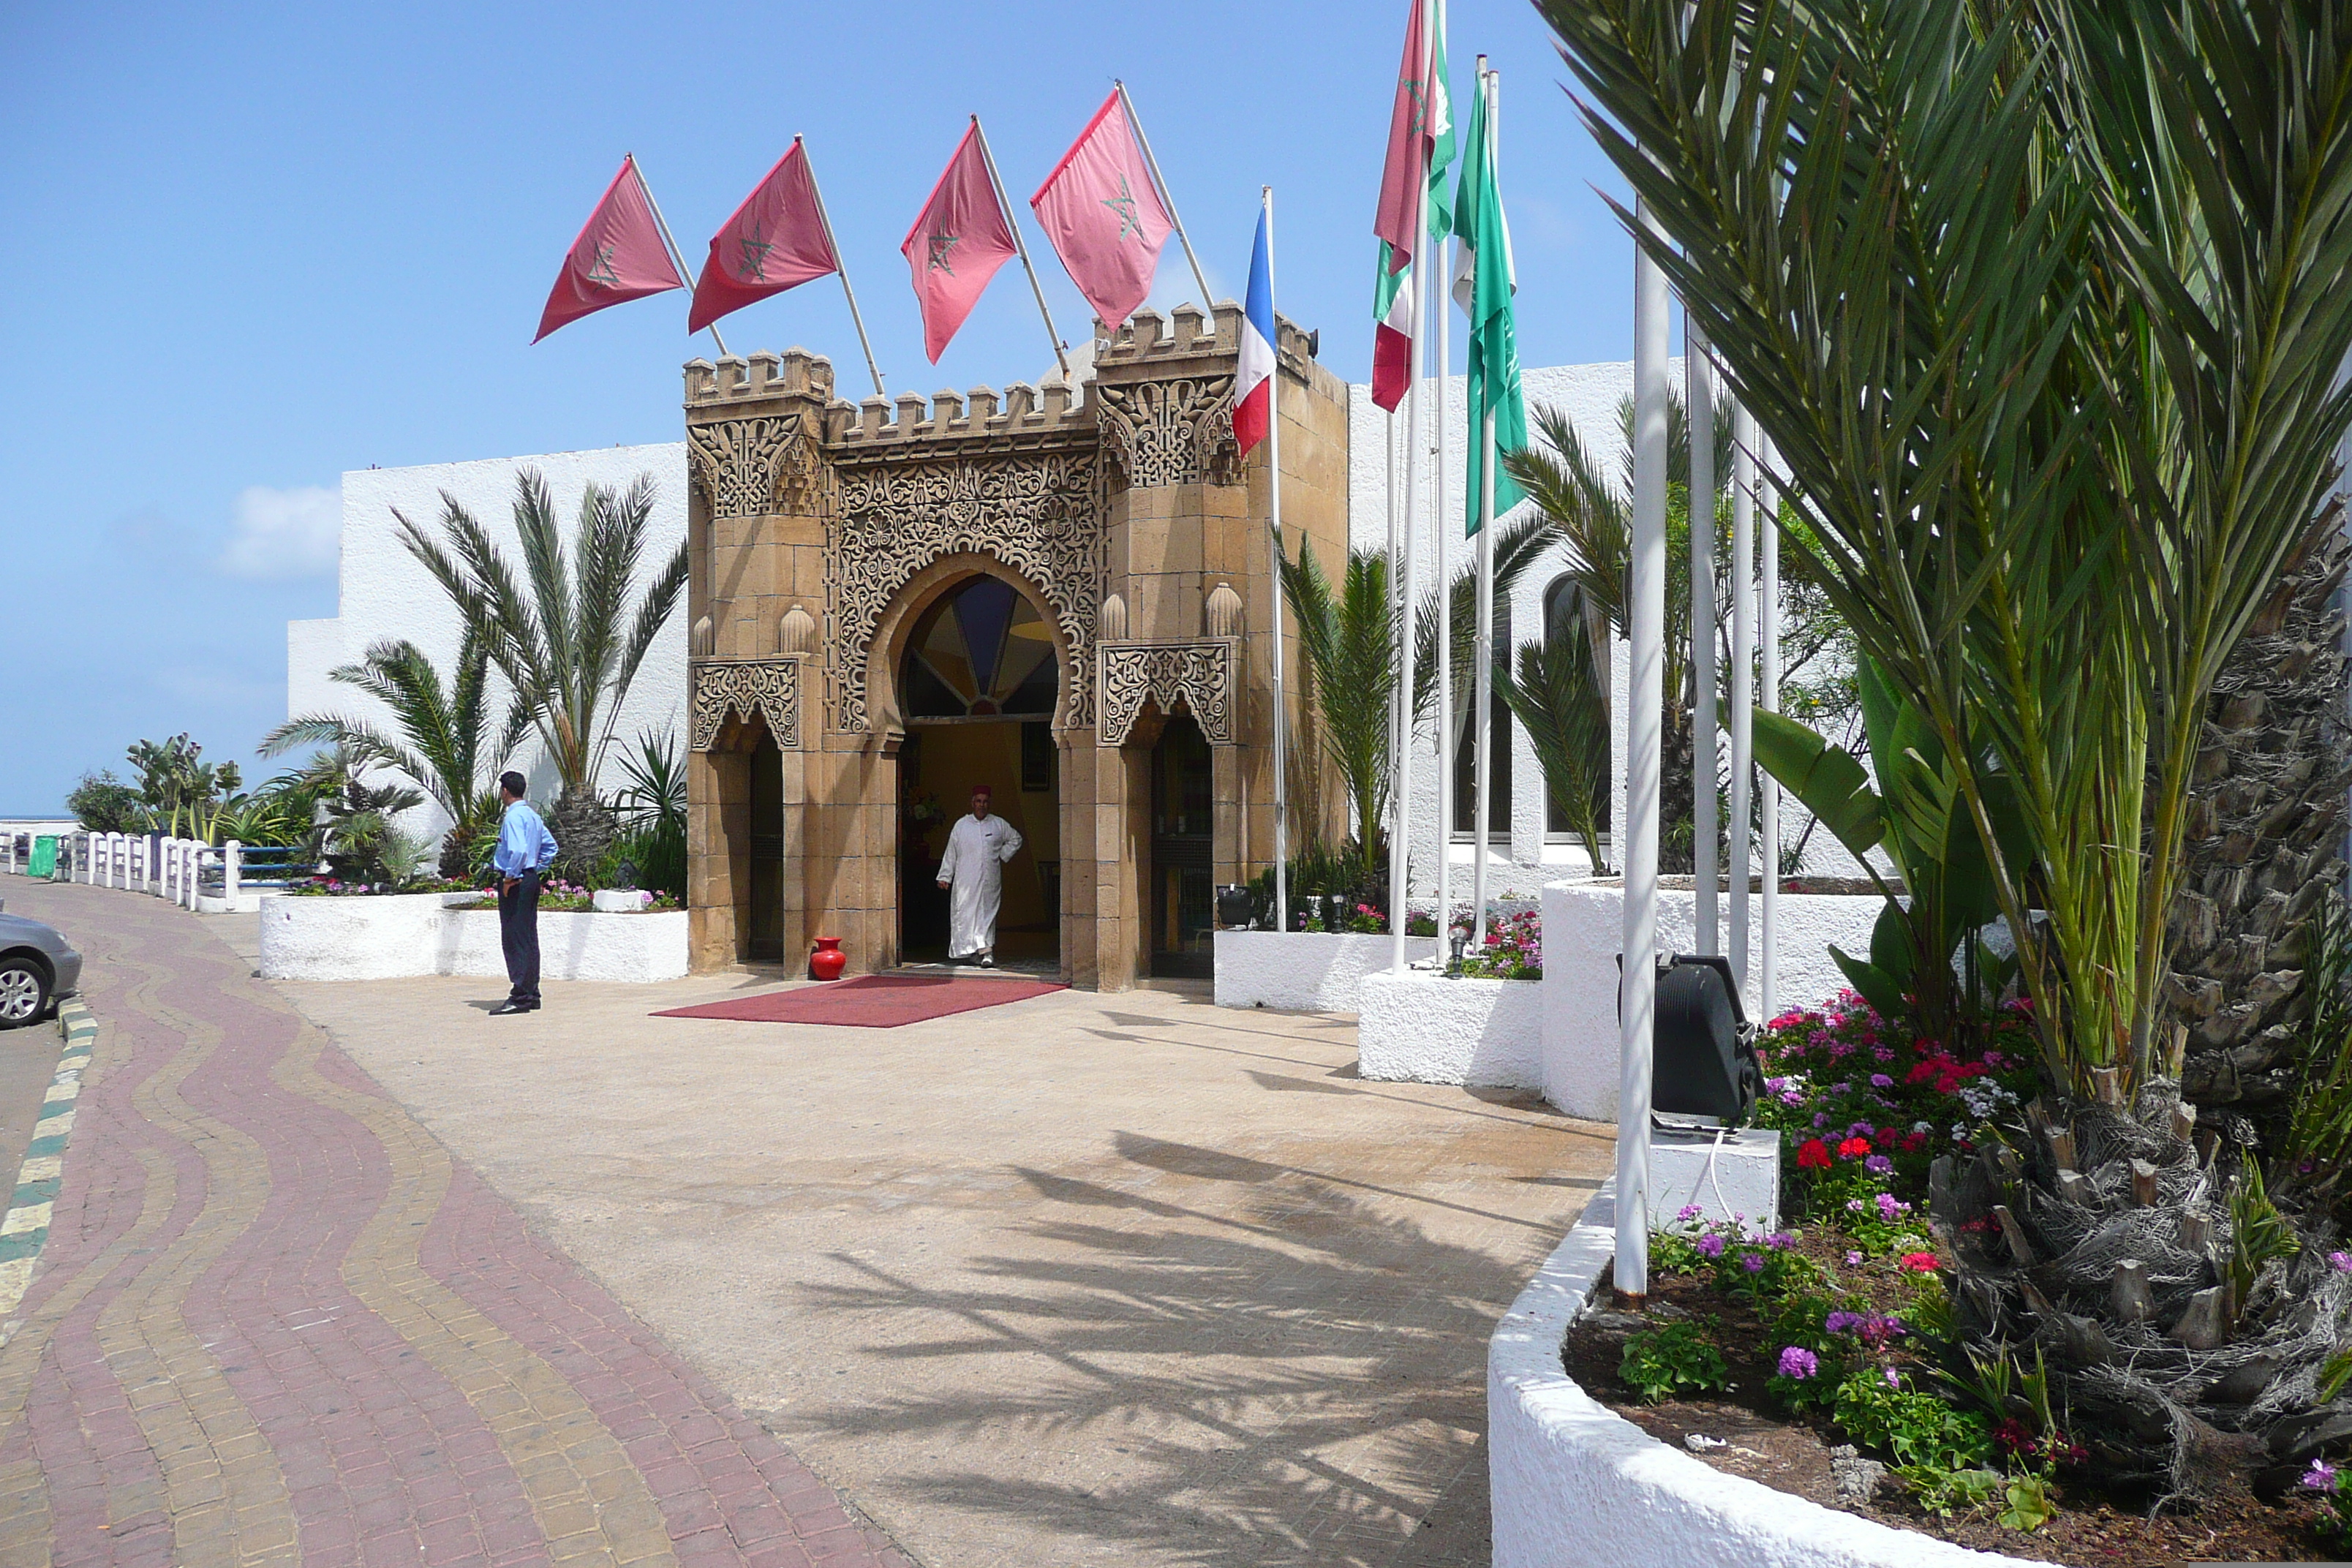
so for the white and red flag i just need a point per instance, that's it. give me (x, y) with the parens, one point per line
(963, 236)
(1102, 212)
(1254, 372)
(618, 256)
(776, 240)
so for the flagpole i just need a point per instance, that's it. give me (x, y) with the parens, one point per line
(676, 256)
(1281, 559)
(1400, 854)
(1439, 511)
(842, 267)
(1021, 245)
(1699, 396)
(1135, 123)
(1768, 637)
(1743, 685)
(1482, 670)
(1399, 701)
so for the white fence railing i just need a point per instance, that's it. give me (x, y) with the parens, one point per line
(188, 873)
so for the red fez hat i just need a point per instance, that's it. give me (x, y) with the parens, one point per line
(983, 789)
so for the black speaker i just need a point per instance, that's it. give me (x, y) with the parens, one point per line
(1703, 1049)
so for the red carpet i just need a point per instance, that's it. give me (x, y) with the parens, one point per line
(871, 1000)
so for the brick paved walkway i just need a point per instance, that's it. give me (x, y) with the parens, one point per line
(276, 1320)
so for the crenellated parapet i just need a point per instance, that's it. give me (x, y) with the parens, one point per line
(742, 378)
(911, 427)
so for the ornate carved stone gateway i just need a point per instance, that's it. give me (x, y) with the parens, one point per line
(1171, 432)
(770, 688)
(1007, 585)
(1200, 673)
(1037, 512)
(745, 468)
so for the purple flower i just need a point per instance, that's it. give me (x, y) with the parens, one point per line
(1711, 1245)
(1840, 1089)
(1889, 1206)
(2340, 1261)
(2320, 1478)
(1856, 1205)
(1821, 1119)
(1798, 1362)
(1880, 1081)
(1838, 1322)
(1878, 1164)
(1753, 1262)
(1853, 1260)
(1779, 1240)
(1893, 1378)
(1862, 1129)
(1776, 1084)
(1687, 1212)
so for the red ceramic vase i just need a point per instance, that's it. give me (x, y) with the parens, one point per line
(828, 961)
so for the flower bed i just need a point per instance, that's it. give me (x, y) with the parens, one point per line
(388, 936)
(555, 896)
(1765, 1353)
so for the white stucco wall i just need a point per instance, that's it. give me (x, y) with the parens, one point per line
(1584, 931)
(1305, 970)
(392, 936)
(1420, 1028)
(385, 593)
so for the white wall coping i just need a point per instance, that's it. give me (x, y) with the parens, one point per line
(386, 936)
(1305, 970)
(1476, 1030)
(1575, 1483)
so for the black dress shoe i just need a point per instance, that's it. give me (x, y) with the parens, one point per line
(512, 1006)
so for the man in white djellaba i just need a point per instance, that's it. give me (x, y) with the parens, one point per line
(975, 866)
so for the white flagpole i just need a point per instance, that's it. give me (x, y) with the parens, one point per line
(1135, 123)
(1743, 683)
(1400, 700)
(676, 256)
(1700, 396)
(1445, 532)
(1274, 495)
(1416, 412)
(842, 267)
(1022, 245)
(1768, 634)
(1646, 628)
(1482, 646)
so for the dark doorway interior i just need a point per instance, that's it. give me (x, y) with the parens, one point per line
(1182, 891)
(764, 941)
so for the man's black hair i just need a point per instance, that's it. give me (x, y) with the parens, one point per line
(511, 783)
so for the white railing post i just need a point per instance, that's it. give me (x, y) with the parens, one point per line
(229, 873)
(195, 884)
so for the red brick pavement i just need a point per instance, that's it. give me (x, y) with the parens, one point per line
(275, 1321)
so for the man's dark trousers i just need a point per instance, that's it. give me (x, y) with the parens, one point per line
(519, 935)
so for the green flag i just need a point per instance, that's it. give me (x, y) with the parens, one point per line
(1483, 285)
(1442, 147)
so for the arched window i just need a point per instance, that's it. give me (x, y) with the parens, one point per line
(982, 652)
(1567, 620)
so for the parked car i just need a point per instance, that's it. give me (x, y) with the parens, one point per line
(37, 965)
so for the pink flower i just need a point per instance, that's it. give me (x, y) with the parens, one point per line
(1919, 1262)
(1797, 1362)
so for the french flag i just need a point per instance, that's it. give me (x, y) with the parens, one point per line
(1253, 378)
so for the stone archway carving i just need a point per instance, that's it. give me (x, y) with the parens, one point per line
(1034, 512)
(770, 688)
(749, 468)
(1200, 673)
(1177, 432)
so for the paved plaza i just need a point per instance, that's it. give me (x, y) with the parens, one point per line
(1082, 1280)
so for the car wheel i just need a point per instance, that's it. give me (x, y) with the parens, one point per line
(24, 992)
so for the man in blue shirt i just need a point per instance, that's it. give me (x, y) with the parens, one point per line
(525, 848)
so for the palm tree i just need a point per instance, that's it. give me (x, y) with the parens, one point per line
(571, 646)
(1349, 641)
(1558, 698)
(444, 744)
(2044, 307)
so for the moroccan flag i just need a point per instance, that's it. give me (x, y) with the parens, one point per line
(1104, 215)
(1483, 283)
(618, 256)
(1420, 150)
(775, 241)
(1253, 370)
(963, 236)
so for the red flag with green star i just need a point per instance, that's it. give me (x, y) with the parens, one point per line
(775, 241)
(618, 256)
(1104, 215)
(963, 236)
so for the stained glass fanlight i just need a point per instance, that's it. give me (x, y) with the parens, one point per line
(982, 652)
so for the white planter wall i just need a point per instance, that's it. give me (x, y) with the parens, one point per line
(1420, 1028)
(1576, 1484)
(395, 935)
(1584, 931)
(1303, 971)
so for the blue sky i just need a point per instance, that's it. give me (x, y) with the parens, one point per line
(253, 247)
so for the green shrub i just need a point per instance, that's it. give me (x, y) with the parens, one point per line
(1671, 1359)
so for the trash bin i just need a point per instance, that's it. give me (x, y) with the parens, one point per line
(45, 856)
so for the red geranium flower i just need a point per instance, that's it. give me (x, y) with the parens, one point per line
(1914, 1143)
(1886, 1137)
(1813, 1155)
(1853, 1148)
(1919, 1262)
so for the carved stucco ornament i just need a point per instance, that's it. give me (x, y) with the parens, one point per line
(770, 688)
(1199, 674)
(1178, 432)
(751, 468)
(1035, 512)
